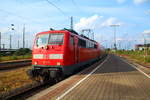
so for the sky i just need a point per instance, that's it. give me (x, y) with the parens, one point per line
(132, 16)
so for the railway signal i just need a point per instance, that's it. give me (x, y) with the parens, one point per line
(10, 38)
(12, 27)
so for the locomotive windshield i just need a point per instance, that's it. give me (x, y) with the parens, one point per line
(42, 39)
(56, 39)
(50, 39)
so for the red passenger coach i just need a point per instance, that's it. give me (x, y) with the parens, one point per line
(60, 52)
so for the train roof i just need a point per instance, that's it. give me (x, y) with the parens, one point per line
(74, 32)
(66, 30)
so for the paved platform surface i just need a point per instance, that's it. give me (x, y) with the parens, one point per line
(113, 79)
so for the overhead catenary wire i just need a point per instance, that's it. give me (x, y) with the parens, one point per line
(11, 13)
(21, 17)
(59, 9)
(75, 4)
(26, 20)
(62, 12)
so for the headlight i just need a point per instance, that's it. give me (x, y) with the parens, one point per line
(35, 63)
(38, 56)
(58, 63)
(56, 56)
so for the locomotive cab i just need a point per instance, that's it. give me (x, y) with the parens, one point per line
(47, 55)
(48, 48)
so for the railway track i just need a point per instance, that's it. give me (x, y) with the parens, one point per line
(14, 64)
(26, 91)
(19, 91)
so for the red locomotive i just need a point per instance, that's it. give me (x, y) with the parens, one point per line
(60, 52)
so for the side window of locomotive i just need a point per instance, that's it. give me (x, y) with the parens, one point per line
(71, 40)
(87, 44)
(95, 46)
(82, 43)
(92, 45)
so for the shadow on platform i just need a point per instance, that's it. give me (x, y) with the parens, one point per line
(114, 64)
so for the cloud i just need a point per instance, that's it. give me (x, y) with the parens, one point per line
(121, 1)
(137, 2)
(148, 11)
(89, 22)
(111, 21)
(146, 31)
(146, 36)
(120, 39)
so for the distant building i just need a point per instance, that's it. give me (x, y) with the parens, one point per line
(142, 46)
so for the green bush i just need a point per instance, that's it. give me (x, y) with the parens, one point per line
(14, 57)
(148, 52)
(140, 55)
(22, 51)
(147, 59)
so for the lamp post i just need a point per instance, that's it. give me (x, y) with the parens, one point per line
(114, 26)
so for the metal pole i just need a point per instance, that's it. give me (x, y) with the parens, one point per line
(10, 43)
(0, 41)
(18, 44)
(71, 23)
(3, 46)
(12, 28)
(144, 50)
(88, 33)
(24, 36)
(26, 43)
(93, 35)
(115, 46)
(0, 46)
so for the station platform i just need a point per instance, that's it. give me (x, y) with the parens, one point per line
(110, 79)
